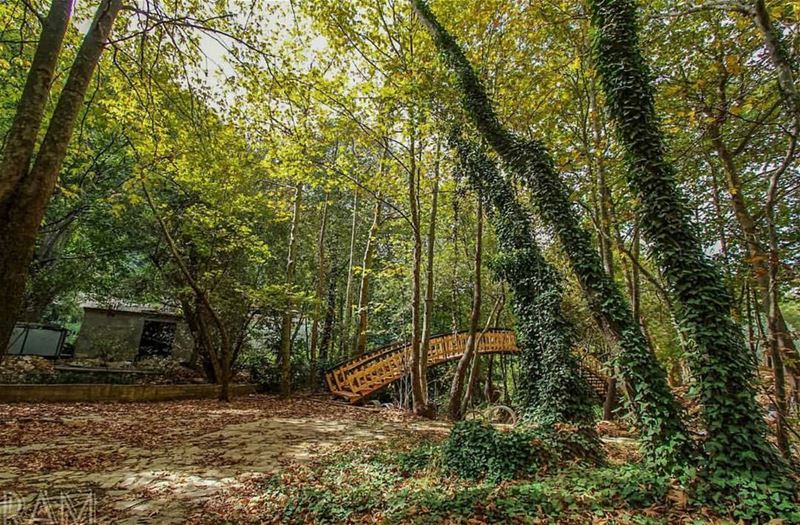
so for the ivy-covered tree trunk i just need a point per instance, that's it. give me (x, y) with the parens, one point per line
(660, 419)
(736, 447)
(551, 389)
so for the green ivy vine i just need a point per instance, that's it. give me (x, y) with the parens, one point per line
(739, 459)
(552, 389)
(478, 450)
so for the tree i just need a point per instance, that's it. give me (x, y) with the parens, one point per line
(320, 298)
(366, 268)
(74, 251)
(348, 293)
(743, 118)
(427, 320)
(26, 183)
(218, 345)
(659, 416)
(736, 448)
(457, 404)
(552, 390)
(419, 389)
(285, 354)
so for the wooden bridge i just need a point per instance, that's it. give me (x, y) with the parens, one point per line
(359, 377)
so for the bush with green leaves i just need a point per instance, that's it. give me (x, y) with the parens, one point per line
(426, 455)
(261, 367)
(478, 450)
(402, 482)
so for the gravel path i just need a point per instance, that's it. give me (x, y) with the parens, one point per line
(158, 463)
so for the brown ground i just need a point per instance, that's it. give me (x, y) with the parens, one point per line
(159, 463)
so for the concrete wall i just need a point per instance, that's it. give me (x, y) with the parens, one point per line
(112, 393)
(117, 334)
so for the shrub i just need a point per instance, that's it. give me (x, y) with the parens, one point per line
(476, 450)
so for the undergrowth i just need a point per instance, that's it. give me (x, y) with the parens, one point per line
(476, 450)
(475, 476)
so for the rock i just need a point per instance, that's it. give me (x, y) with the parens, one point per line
(26, 369)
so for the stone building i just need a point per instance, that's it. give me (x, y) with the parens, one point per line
(131, 332)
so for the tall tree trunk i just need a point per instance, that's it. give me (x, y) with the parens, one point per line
(24, 193)
(605, 239)
(366, 268)
(780, 340)
(330, 313)
(475, 369)
(736, 444)
(419, 390)
(758, 257)
(429, 272)
(472, 380)
(774, 319)
(455, 310)
(212, 363)
(21, 139)
(457, 386)
(763, 261)
(347, 304)
(321, 296)
(286, 320)
(660, 418)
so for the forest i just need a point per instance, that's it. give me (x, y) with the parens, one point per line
(399, 261)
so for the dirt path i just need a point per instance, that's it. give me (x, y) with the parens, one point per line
(157, 463)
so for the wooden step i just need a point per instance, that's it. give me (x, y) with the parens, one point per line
(349, 396)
